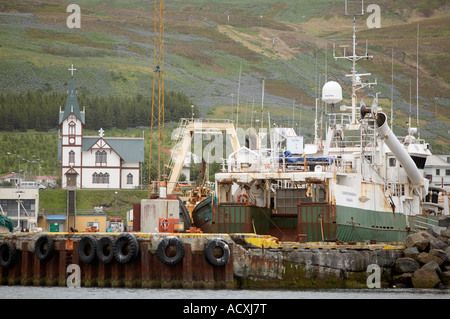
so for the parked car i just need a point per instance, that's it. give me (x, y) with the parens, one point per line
(32, 185)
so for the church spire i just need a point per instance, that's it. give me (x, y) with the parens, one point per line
(72, 102)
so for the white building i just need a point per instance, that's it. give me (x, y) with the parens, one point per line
(95, 162)
(437, 170)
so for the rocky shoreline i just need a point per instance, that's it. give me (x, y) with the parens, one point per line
(426, 261)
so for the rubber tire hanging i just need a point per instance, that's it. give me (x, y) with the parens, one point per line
(208, 251)
(87, 249)
(105, 250)
(8, 255)
(161, 251)
(44, 247)
(126, 248)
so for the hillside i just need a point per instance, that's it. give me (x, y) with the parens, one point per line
(288, 43)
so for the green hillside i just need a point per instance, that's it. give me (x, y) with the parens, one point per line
(286, 42)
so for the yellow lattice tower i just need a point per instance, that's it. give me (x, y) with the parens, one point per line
(158, 94)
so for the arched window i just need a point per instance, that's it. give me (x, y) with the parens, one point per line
(94, 178)
(106, 178)
(72, 127)
(71, 157)
(100, 178)
(130, 178)
(100, 157)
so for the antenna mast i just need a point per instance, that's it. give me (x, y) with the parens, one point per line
(356, 77)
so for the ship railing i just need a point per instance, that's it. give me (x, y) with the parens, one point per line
(339, 118)
(422, 222)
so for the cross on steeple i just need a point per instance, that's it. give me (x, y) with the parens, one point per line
(71, 70)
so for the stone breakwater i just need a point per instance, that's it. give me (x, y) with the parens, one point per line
(426, 261)
(423, 261)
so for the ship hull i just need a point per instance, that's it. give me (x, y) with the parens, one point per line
(314, 222)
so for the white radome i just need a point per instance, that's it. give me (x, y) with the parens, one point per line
(332, 92)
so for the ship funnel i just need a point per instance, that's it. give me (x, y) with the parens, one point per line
(397, 149)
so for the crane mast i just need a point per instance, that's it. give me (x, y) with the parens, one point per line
(157, 117)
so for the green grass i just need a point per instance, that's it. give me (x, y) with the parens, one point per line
(53, 201)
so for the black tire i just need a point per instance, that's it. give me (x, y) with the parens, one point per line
(44, 247)
(126, 248)
(105, 250)
(87, 249)
(8, 255)
(170, 251)
(217, 252)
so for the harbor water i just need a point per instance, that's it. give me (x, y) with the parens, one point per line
(31, 292)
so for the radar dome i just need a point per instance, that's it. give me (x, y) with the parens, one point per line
(332, 92)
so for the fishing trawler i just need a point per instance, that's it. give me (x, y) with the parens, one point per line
(360, 183)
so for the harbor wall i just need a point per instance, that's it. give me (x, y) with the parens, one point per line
(254, 262)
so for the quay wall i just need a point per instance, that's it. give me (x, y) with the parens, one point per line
(254, 262)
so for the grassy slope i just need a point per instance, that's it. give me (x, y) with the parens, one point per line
(55, 201)
(113, 53)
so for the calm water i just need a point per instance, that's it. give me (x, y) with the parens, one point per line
(25, 292)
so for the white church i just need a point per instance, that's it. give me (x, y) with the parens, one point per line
(95, 162)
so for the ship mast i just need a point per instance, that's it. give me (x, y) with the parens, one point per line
(358, 82)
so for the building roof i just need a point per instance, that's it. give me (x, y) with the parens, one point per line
(129, 149)
(436, 161)
(72, 105)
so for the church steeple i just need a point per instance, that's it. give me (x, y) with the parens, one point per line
(72, 103)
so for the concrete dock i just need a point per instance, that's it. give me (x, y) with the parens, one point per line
(210, 261)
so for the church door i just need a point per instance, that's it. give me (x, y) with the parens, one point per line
(71, 180)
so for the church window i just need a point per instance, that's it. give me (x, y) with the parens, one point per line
(106, 178)
(94, 178)
(71, 128)
(100, 157)
(130, 178)
(71, 157)
(100, 178)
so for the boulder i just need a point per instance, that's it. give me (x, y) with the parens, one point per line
(403, 280)
(411, 252)
(432, 265)
(436, 243)
(423, 258)
(425, 278)
(447, 252)
(444, 221)
(436, 230)
(446, 233)
(438, 254)
(446, 278)
(406, 264)
(417, 240)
